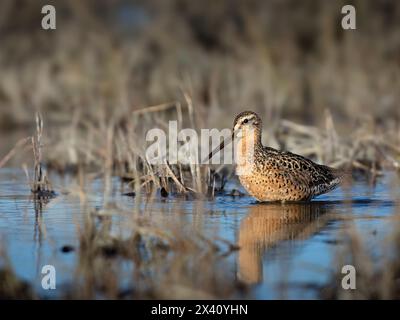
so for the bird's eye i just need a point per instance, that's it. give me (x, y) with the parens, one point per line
(245, 120)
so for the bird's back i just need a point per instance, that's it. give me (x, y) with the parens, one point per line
(279, 175)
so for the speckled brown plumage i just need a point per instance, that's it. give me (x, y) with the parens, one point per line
(272, 175)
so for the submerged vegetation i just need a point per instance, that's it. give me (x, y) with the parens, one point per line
(109, 74)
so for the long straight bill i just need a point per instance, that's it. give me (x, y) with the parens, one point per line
(217, 149)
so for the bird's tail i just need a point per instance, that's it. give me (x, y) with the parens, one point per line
(343, 174)
(338, 177)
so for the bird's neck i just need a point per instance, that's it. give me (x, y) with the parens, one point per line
(246, 146)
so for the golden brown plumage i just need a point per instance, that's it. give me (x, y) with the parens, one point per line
(272, 175)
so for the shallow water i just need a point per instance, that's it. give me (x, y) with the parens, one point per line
(286, 250)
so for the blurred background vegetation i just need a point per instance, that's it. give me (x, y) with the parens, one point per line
(284, 59)
(114, 69)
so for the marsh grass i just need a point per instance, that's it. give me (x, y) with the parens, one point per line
(323, 93)
(41, 186)
(151, 255)
(95, 83)
(162, 263)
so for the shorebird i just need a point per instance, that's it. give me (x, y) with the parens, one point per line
(268, 174)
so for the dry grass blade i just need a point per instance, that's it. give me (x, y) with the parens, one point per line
(41, 186)
(20, 144)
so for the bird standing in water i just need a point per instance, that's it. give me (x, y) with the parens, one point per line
(271, 175)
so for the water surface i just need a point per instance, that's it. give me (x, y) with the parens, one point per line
(286, 250)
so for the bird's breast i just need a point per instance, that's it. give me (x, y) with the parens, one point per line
(244, 155)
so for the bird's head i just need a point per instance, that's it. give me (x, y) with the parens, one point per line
(245, 123)
(246, 120)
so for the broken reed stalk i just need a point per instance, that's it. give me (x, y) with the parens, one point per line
(37, 155)
(108, 168)
(180, 186)
(40, 186)
(195, 168)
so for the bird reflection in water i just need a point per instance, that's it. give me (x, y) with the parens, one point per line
(267, 224)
